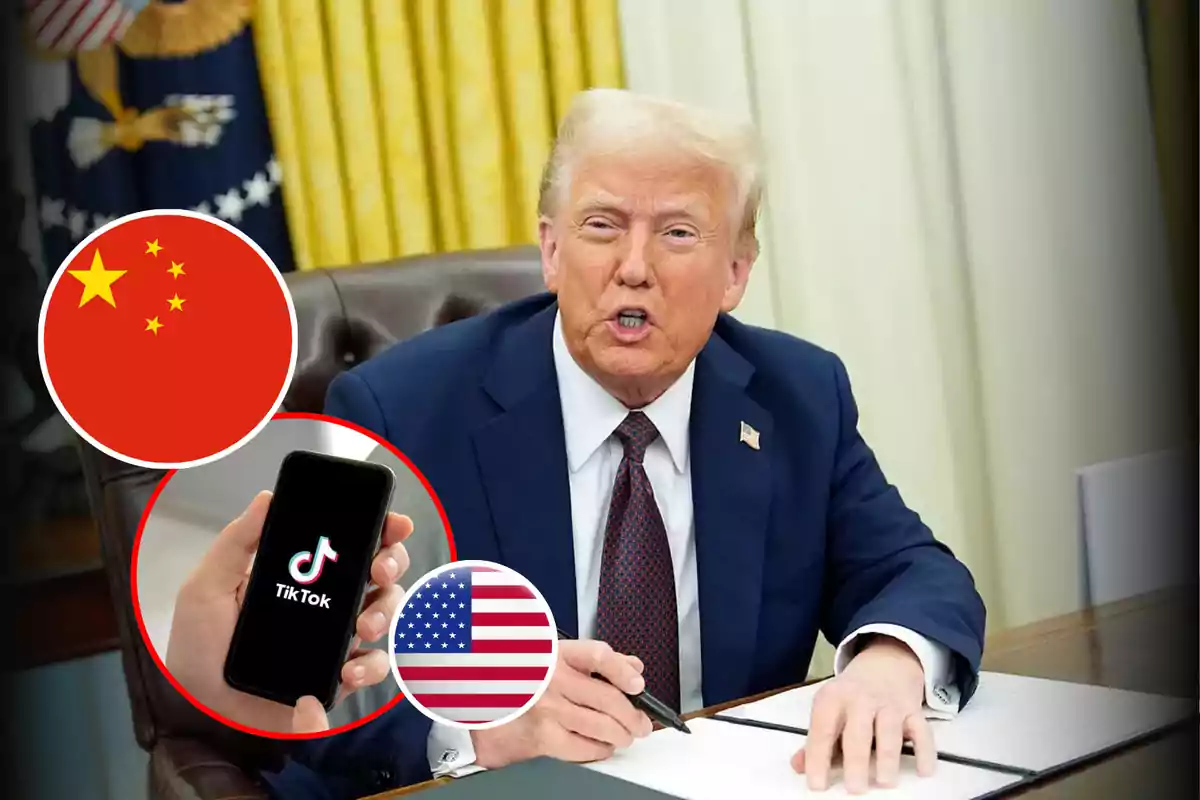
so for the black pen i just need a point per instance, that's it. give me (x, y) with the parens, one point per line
(655, 709)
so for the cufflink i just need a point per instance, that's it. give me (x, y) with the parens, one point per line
(941, 694)
(448, 757)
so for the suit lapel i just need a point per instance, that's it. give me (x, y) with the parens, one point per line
(731, 495)
(522, 455)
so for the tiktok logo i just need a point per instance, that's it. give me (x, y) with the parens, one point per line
(315, 563)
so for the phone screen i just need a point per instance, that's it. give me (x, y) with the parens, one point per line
(309, 577)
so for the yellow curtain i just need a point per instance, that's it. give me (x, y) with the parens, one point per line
(420, 126)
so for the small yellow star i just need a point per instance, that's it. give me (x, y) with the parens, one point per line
(176, 270)
(177, 302)
(97, 281)
(153, 247)
(153, 325)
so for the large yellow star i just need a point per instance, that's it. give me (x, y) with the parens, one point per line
(153, 325)
(153, 247)
(177, 302)
(97, 281)
(176, 270)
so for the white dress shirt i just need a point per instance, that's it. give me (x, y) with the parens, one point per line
(590, 416)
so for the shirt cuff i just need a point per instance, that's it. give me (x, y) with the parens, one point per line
(941, 692)
(450, 752)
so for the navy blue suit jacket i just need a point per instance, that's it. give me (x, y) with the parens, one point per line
(803, 534)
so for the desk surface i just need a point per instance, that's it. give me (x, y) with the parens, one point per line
(1146, 644)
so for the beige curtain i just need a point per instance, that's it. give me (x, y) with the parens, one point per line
(995, 277)
(1169, 28)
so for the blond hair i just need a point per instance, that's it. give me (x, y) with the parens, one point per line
(608, 120)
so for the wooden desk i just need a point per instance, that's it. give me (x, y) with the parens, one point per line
(1147, 644)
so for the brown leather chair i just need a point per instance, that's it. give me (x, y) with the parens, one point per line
(344, 316)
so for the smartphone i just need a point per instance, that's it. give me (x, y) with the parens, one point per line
(310, 574)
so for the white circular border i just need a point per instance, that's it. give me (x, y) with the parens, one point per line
(482, 726)
(164, 212)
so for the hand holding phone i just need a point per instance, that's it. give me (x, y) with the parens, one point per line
(258, 655)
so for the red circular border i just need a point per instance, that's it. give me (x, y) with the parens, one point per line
(137, 607)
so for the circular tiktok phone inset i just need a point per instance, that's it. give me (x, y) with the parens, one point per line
(263, 583)
(473, 645)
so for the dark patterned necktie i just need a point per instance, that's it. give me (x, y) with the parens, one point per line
(636, 611)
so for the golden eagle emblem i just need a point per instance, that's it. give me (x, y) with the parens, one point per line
(92, 32)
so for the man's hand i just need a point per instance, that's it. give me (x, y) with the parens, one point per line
(578, 718)
(206, 611)
(877, 699)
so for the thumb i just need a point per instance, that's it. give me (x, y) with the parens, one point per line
(227, 561)
(592, 657)
(309, 716)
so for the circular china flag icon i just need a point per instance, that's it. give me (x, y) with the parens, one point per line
(473, 645)
(167, 338)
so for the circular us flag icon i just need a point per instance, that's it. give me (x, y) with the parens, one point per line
(473, 645)
(167, 338)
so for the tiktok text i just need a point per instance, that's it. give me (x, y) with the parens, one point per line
(301, 595)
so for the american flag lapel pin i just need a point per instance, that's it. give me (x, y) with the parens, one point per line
(748, 435)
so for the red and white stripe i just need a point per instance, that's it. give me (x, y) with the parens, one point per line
(70, 26)
(512, 652)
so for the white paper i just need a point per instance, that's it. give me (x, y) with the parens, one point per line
(722, 760)
(1031, 723)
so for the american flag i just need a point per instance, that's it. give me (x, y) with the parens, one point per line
(67, 26)
(473, 644)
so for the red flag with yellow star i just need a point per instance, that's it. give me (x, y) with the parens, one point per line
(167, 338)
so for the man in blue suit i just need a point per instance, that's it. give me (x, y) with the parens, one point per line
(690, 494)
